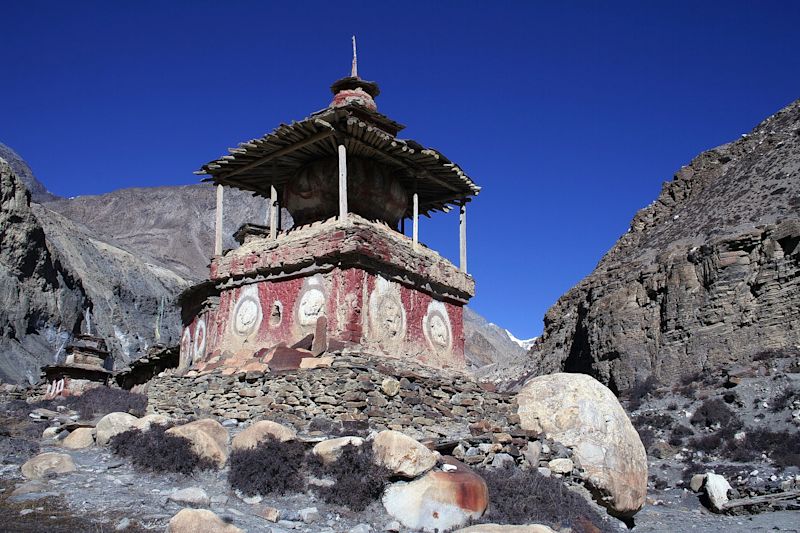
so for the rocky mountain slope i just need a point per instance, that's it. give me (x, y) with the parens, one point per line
(171, 226)
(707, 275)
(488, 346)
(58, 279)
(39, 192)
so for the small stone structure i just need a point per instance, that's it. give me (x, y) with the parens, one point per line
(87, 364)
(344, 269)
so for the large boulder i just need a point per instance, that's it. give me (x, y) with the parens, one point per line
(581, 413)
(79, 439)
(401, 454)
(328, 451)
(199, 521)
(113, 424)
(438, 501)
(262, 430)
(209, 439)
(717, 488)
(46, 464)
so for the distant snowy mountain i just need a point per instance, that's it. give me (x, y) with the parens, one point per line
(525, 344)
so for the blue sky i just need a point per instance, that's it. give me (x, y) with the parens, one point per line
(569, 114)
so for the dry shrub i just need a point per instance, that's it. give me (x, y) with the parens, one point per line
(103, 400)
(784, 400)
(713, 412)
(783, 447)
(271, 467)
(158, 451)
(640, 391)
(524, 496)
(679, 434)
(358, 481)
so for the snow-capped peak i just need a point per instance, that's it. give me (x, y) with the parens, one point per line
(524, 344)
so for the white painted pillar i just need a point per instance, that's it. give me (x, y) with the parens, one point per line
(273, 212)
(342, 183)
(462, 225)
(218, 234)
(415, 231)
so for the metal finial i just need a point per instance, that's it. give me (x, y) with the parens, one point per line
(354, 69)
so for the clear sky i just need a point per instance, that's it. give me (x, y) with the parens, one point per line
(569, 114)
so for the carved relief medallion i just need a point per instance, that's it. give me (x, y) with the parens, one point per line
(387, 316)
(186, 348)
(199, 340)
(312, 302)
(247, 313)
(436, 327)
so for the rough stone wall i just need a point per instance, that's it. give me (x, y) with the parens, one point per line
(707, 275)
(428, 404)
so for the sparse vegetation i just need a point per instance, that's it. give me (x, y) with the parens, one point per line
(103, 400)
(784, 400)
(715, 412)
(544, 500)
(271, 467)
(158, 451)
(357, 480)
(640, 391)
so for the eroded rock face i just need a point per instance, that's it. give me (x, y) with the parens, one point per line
(581, 413)
(199, 521)
(438, 501)
(261, 430)
(113, 424)
(209, 439)
(401, 454)
(707, 275)
(46, 464)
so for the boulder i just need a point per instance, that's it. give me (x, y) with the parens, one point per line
(46, 464)
(497, 528)
(401, 454)
(79, 439)
(329, 450)
(261, 430)
(209, 439)
(113, 424)
(560, 466)
(199, 521)
(438, 501)
(192, 496)
(145, 422)
(581, 413)
(717, 488)
(51, 432)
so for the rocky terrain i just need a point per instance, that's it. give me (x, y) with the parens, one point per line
(708, 275)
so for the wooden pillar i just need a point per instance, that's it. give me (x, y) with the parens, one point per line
(342, 183)
(273, 212)
(462, 226)
(218, 233)
(415, 231)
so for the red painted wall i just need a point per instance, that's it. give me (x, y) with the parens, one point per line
(346, 305)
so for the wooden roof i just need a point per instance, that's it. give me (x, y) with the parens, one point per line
(273, 159)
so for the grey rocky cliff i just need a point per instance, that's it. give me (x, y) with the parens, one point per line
(40, 299)
(24, 173)
(706, 276)
(58, 279)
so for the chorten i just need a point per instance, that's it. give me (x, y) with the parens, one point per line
(342, 268)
